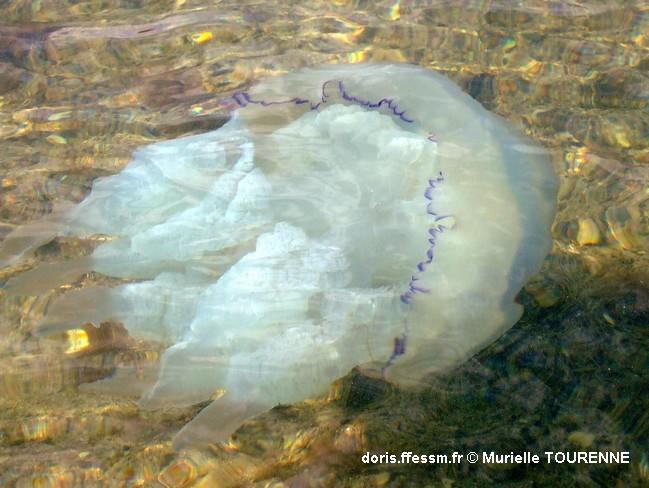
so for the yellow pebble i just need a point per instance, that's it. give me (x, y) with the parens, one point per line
(55, 139)
(581, 439)
(77, 341)
(59, 116)
(588, 232)
(608, 318)
(202, 37)
(395, 11)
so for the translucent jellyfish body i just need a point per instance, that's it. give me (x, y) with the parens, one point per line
(367, 215)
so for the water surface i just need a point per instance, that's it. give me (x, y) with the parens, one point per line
(82, 84)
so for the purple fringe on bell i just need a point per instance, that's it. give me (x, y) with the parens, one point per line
(406, 297)
(243, 99)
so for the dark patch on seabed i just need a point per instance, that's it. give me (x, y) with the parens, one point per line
(568, 377)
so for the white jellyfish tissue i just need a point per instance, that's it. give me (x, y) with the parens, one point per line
(345, 215)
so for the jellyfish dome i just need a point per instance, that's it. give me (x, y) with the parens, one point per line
(370, 215)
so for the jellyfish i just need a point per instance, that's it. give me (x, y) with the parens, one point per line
(368, 215)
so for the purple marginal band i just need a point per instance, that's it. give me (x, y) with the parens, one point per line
(406, 297)
(243, 99)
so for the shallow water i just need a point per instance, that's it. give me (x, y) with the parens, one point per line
(82, 84)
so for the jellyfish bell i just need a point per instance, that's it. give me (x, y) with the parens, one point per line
(367, 215)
